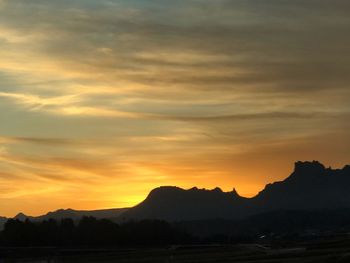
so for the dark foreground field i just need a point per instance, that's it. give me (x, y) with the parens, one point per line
(330, 250)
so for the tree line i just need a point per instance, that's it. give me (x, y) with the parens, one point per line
(90, 231)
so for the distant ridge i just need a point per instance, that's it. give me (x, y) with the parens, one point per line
(111, 214)
(75, 214)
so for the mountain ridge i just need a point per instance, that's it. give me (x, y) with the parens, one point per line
(60, 214)
(311, 186)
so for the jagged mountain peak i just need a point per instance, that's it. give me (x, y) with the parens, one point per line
(309, 165)
(314, 170)
(234, 192)
(310, 186)
(308, 169)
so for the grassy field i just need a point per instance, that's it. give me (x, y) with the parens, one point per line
(331, 250)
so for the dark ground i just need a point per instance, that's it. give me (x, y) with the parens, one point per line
(331, 249)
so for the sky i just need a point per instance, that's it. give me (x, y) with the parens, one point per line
(103, 100)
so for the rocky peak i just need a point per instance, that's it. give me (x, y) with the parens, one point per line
(234, 193)
(308, 169)
(313, 166)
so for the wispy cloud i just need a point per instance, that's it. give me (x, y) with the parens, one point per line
(37, 102)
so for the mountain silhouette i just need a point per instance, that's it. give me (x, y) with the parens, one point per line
(75, 214)
(310, 187)
(173, 203)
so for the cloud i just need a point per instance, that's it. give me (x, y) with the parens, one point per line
(136, 48)
(135, 94)
(37, 102)
(43, 141)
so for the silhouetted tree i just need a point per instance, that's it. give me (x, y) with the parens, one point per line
(90, 232)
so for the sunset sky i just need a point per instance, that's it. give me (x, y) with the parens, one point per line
(103, 100)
